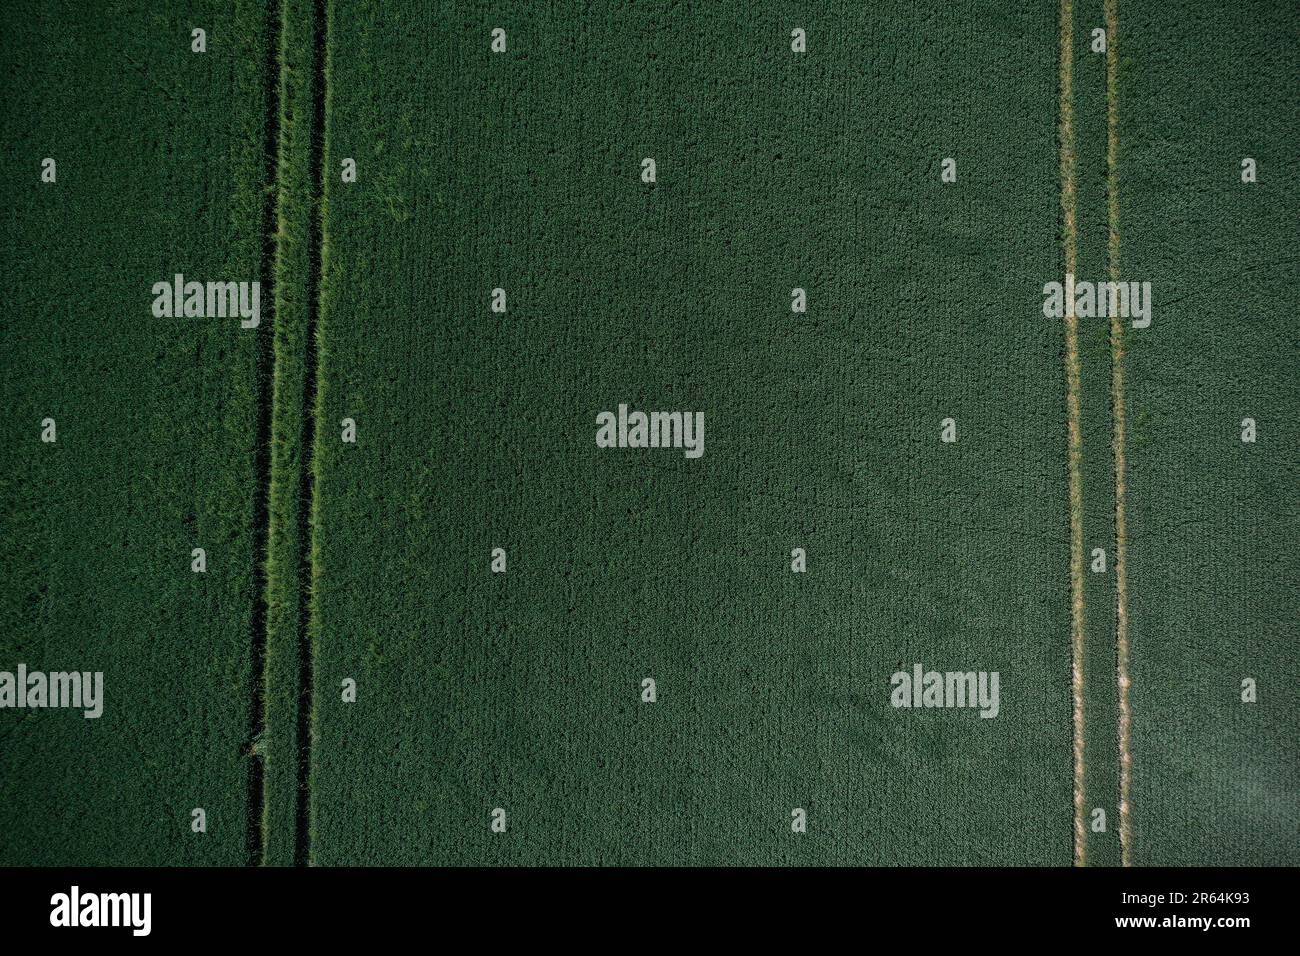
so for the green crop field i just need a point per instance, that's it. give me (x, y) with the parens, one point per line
(448, 612)
(159, 168)
(1215, 527)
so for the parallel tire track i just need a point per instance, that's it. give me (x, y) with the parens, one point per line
(262, 492)
(1118, 433)
(1069, 238)
(288, 663)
